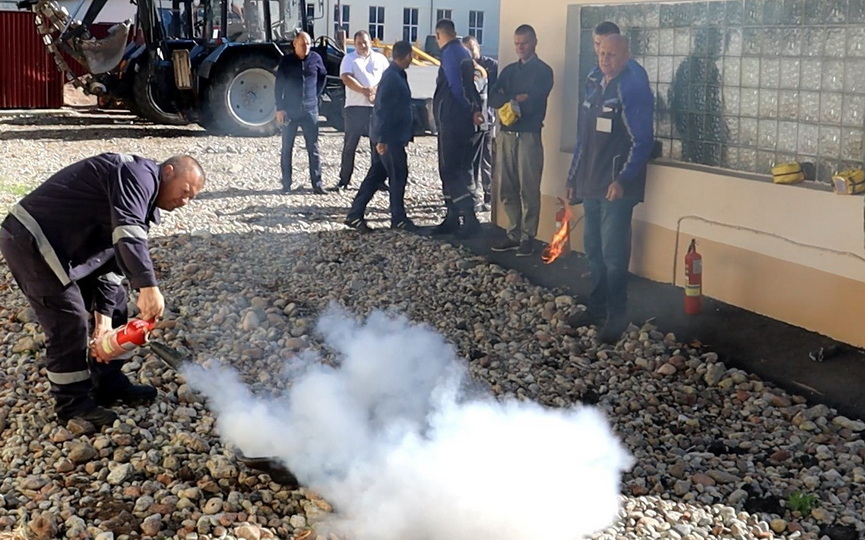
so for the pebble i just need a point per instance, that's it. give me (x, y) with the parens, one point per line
(246, 270)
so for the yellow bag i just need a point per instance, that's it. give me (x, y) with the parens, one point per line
(786, 168)
(790, 178)
(507, 115)
(849, 182)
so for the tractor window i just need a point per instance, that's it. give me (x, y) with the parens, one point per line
(285, 18)
(176, 18)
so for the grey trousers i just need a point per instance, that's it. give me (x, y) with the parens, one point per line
(520, 162)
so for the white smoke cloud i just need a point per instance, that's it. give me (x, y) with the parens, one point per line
(393, 440)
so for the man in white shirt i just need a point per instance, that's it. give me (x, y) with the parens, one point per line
(361, 71)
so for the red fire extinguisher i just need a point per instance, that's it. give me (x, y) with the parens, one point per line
(563, 220)
(694, 280)
(125, 338)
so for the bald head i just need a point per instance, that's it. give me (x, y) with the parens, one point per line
(613, 55)
(302, 44)
(181, 178)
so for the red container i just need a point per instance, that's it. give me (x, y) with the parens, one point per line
(29, 79)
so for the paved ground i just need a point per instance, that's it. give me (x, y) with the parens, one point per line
(771, 349)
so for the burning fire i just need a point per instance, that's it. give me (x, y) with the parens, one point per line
(558, 245)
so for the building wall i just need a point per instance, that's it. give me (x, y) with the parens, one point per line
(427, 12)
(794, 253)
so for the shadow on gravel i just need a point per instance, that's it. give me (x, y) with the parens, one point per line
(773, 350)
(99, 133)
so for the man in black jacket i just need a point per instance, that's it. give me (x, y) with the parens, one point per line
(67, 244)
(300, 80)
(482, 164)
(524, 87)
(458, 111)
(390, 130)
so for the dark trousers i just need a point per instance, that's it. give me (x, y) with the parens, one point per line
(356, 126)
(64, 313)
(482, 165)
(455, 164)
(607, 240)
(308, 123)
(392, 165)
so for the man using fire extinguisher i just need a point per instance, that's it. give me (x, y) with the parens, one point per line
(608, 172)
(66, 244)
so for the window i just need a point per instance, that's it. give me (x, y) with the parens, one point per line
(444, 14)
(476, 25)
(409, 24)
(755, 88)
(376, 22)
(346, 15)
(310, 11)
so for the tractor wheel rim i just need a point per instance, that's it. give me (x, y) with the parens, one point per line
(251, 97)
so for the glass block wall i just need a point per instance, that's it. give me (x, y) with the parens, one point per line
(745, 84)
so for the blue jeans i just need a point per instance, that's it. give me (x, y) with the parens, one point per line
(607, 240)
(308, 124)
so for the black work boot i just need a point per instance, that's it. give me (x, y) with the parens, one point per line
(96, 415)
(451, 223)
(471, 226)
(133, 395)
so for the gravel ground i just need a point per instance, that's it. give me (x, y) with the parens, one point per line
(247, 270)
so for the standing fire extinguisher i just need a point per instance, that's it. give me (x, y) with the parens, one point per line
(562, 221)
(126, 338)
(694, 280)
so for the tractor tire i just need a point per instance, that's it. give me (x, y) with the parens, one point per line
(240, 99)
(145, 104)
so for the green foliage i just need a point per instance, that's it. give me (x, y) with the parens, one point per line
(801, 502)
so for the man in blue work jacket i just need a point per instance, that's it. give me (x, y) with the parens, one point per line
(458, 112)
(390, 131)
(69, 243)
(300, 81)
(608, 172)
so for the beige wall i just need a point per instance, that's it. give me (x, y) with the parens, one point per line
(794, 253)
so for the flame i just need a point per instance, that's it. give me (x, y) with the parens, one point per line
(557, 244)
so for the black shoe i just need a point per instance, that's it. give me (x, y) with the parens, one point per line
(507, 245)
(526, 249)
(585, 318)
(612, 332)
(405, 225)
(471, 226)
(133, 395)
(339, 187)
(96, 415)
(359, 225)
(450, 225)
(318, 190)
(286, 189)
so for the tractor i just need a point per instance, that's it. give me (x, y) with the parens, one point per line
(210, 62)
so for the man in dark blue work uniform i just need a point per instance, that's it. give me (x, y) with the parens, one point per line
(67, 243)
(458, 111)
(390, 130)
(608, 172)
(300, 80)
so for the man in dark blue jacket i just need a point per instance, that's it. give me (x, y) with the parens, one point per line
(300, 80)
(482, 164)
(390, 130)
(458, 111)
(608, 171)
(67, 244)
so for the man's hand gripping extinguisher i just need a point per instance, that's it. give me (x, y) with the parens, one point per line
(693, 280)
(125, 338)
